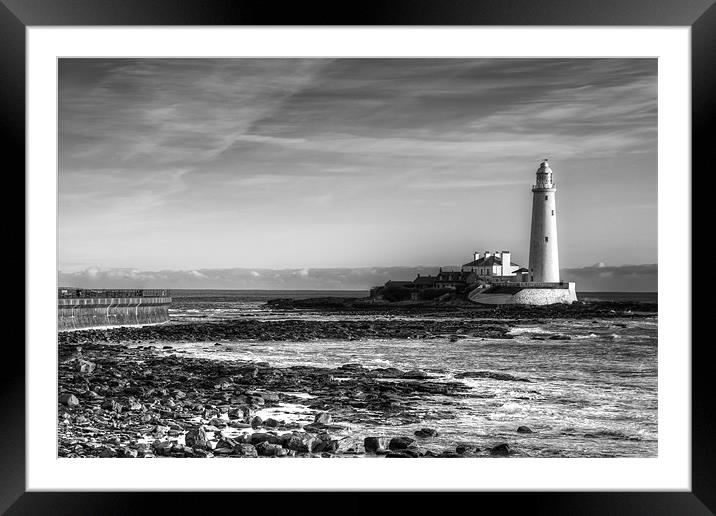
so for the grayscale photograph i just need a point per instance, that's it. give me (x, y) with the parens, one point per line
(357, 258)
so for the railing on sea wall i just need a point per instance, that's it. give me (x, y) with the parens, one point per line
(84, 293)
(531, 284)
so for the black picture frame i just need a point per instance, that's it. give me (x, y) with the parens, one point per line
(700, 15)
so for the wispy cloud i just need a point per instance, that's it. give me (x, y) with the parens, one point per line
(226, 155)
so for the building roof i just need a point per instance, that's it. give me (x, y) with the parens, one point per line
(391, 283)
(487, 262)
(425, 280)
(521, 269)
(454, 276)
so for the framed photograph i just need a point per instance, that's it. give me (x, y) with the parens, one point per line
(423, 231)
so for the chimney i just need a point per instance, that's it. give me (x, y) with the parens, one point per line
(498, 254)
(475, 255)
(488, 254)
(506, 262)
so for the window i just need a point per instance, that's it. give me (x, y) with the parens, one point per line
(553, 212)
(546, 239)
(546, 197)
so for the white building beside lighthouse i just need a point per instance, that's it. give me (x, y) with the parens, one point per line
(544, 254)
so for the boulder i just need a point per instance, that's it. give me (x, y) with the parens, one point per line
(265, 449)
(106, 452)
(112, 406)
(256, 422)
(271, 423)
(524, 430)
(462, 449)
(270, 397)
(323, 418)
(373, 444)
(196, 438)
(218, 422)
(501, 450)
(246, 450)
(227, 443)
(299, 442)
(69, 400)
(415, 374)
(426, 432)
(85, 366)
(263, 437)
(400, 443)
(242, 413)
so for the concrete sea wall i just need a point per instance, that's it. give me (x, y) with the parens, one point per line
(77, 313)
(545, 294)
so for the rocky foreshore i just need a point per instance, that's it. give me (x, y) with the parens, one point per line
(147, 401)
(466, 309)
(294, 330)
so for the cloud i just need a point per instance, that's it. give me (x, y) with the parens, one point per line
(627, 278)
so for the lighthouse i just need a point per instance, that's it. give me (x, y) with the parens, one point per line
(544, 256)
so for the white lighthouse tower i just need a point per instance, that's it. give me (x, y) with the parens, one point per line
(544, 256)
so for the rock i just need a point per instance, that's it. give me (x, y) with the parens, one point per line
(246, 450)
(397, 455)
(134, 406)
(323, 418)
(299, 442)
(227, 443)
(501, 450)
(243, 413)
(162, 447)
(218, 422)
(415, 374)
(560, 337)
(315, 428)
(400, 443)
(85, 366)
(112, 406)
(270, 397)
(127, 453)
(462, 449)
(426, 432)
(524, 430)
(196, 438)
(256, 422)
(263, 437)
(373, 444)
(107, 452)
(271, 423)
(265, 449)
(69, 400)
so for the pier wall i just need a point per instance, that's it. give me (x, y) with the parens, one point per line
(77, 313)
(529, 294)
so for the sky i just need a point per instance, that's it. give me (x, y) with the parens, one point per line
(296, 164)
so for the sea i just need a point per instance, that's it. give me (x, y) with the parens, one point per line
(592, 396)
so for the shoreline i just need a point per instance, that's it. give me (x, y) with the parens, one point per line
(129, 392)
(117, 401)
